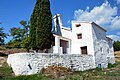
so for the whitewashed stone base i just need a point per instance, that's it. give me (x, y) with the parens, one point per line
(31, 63)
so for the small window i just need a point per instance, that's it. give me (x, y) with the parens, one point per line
(84, 50)
(78, 25)
(79, 36)
(101, 49)
(108, 50)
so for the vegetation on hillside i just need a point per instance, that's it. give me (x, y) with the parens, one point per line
(20, 36)
(116, 45)
(3, 35)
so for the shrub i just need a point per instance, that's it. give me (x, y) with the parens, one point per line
(116, 45)
(111, 65)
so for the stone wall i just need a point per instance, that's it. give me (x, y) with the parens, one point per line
(103, 54)
(31, 63)
(111, 59)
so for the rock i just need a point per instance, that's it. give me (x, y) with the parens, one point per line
(2, 61)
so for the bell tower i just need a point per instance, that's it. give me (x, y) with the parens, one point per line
(57, 24)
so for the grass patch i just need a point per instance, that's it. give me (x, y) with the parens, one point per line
(30, 77)
(5, 73)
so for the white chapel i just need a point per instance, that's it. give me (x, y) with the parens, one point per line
(84, 38)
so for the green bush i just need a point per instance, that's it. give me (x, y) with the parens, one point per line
(111, 65)
(116, 45)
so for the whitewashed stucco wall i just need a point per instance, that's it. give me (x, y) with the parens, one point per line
(86, 30)
(111, 56)
(102, 48)
(31, 63)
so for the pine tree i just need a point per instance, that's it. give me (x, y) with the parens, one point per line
(41, 25)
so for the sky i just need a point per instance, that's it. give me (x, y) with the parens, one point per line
(105, 13)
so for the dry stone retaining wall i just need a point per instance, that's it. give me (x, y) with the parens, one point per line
(31, 63)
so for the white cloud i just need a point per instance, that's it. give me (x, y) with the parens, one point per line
(104, 15)
(118, 1)
(115, 23)
(114, 37)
